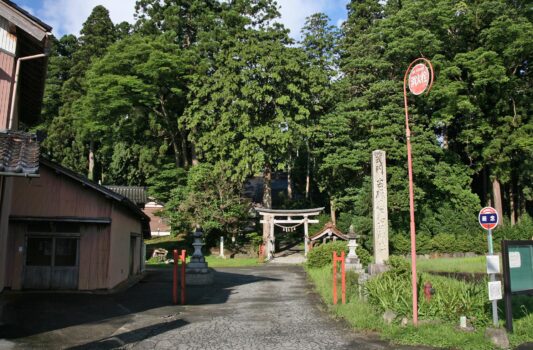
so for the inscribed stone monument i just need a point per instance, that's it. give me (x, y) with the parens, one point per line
(379, 204)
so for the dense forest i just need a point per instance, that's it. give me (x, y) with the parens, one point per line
(197, 96)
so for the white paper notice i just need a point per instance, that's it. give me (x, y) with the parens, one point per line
(495, 290)
(493, 264)
(514, 260)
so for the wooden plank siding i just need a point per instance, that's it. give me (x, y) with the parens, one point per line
(8, 41)
(8, 48)
(94, 257)
(7, 66)
(15, 256)
(55, 195)
(122, 228)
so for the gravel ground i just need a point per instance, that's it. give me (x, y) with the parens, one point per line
(266, 307)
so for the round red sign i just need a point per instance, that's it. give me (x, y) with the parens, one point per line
(419, 79)
(488, 218)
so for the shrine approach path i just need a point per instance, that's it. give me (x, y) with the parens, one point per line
(267, 307)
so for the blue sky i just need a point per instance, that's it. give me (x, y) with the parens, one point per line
(67, 16)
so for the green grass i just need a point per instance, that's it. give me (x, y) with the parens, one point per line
(214, 261)
(475, 264)
(364, 317)
(169, 243)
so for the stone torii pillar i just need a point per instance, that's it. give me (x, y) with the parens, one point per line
(288, 217)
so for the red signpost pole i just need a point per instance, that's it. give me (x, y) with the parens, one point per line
(175, 278)
(334, 278)
(343, 279)
(183, 284)
(417, 85)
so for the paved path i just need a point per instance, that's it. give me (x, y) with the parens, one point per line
(268, 307)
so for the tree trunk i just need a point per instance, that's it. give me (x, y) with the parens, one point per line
(267, 187)
(497, 198)
(90, 175)
(184, 152)
(194, 157)
(512, 203)
(485, 199)
(289, 179)
(332, 211)
(308, 172)
(176, 149)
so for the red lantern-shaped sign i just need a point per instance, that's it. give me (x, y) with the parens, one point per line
(418, 79)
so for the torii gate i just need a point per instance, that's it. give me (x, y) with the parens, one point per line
(288, 217)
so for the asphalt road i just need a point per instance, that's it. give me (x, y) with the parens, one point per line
(268, 307)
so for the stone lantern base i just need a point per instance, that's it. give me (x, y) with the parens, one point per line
(196, 278)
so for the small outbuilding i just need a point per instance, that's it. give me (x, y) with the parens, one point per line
(67, 232)
(328, 233)
(159, 225)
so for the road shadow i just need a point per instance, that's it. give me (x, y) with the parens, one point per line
(30, 314)
(130, 337)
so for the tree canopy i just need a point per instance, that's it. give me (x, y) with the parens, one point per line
(196, 89)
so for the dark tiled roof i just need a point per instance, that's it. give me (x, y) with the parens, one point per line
(136, 194)
(19, 153)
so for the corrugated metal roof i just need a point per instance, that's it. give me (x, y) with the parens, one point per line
(19, 153)
(136, 194)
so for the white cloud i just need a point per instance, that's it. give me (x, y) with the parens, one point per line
(294, 12)
(67, 16)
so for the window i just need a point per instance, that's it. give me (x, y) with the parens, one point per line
(66, 251)
(39, 251)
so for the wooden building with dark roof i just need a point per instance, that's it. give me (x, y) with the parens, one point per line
(24, 43)
(67, 232)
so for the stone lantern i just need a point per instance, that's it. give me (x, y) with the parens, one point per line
(352, 260)
(197, 271)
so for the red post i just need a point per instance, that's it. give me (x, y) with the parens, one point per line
(411, 186)
(343, 279)
(334, 278)
(175, 278)
(183, 284)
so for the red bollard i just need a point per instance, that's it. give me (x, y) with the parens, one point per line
(343, 278)
(179, 258)
(334, 278)
(175, 278)
(183, 266)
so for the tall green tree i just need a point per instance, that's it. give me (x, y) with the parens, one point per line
(253, 108)
(67, 141)
(135, 95)
(320, 43)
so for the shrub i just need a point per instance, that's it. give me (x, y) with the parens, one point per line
(400, 244)
(323, 254)
(364, 256)
(443, 242)
(452, 298)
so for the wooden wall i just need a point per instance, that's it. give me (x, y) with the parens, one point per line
(57, 195)
(8, 46)
(94, 257)
(15, 255)
(122, 227)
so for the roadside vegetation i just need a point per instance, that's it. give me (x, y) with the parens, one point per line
(438, 318)
(170, 243)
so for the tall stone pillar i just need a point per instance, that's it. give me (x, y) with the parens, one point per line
(379, 204)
